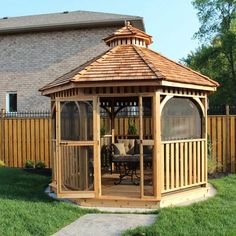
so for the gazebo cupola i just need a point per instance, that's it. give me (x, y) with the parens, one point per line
(128, 35)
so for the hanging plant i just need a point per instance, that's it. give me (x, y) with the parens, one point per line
(132, 129)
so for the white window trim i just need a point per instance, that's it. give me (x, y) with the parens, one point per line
(7, 101)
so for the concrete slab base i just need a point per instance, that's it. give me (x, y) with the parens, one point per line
(184, 198)
(105, 224)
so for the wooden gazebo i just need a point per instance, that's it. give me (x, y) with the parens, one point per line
(151, 110)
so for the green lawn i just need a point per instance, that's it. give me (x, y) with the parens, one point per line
(217, 216)
(26, 210)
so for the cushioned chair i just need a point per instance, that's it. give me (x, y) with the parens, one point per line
(126, 148)
(123, 149)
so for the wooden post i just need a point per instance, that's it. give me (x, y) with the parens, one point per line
(157, 147)
(2, 135)
(112, 121)
(227, 162)
(141, 145)
(112, 127)
(206, 141)
(58, 141)
(97, 149)
(3, 112)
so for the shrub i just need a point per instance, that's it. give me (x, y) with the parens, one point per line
(2, 164)
(40, 165)
(212, 164)
(29, 164)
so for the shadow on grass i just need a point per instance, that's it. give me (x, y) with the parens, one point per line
(27, 210)
(18, 184)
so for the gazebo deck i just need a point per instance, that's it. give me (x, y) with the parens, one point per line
(125, 188)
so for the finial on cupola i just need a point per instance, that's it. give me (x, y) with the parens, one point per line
(127, 23)
(129, 35)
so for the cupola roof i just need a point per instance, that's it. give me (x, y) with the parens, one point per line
(129, 35)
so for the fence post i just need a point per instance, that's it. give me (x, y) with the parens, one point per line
(226, 166)
(2, 135)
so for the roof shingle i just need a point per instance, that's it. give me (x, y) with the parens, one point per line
(130, 62)
(53, 20)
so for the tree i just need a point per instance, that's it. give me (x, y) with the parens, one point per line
(216, 56)
(215, 16)
(210, 61)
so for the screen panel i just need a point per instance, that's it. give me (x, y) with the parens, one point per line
(77, 121)
(181, 119)
(77, 168)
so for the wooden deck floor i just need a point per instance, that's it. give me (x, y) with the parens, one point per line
(125, 189)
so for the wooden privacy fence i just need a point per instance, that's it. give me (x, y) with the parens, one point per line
(25, 136)
(122, 124)
(222, 133)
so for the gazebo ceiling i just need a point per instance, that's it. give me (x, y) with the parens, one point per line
(131, 60)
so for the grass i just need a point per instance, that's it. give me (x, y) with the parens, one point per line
(217, 216)
(26, 210)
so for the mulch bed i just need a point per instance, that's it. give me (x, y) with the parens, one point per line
(217, 175)
(45, 172)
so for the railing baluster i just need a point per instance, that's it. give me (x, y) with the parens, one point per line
(172, 167)
(194, 162)
(181, 164)
(177, 164)
(184, 164)
(167, 167)
(190, 157)
(198, 161)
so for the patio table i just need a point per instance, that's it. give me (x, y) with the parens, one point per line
(129, 164)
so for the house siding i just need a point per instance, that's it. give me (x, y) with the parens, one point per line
(29, 61)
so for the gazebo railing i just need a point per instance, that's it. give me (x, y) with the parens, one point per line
(184, 164)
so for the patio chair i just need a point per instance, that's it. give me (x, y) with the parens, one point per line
(126, 155)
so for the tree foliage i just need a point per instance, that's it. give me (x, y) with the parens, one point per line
(215, 16)
(216, 56)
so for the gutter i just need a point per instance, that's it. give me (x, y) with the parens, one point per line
(73, 25)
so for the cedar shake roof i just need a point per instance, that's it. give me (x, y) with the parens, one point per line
(129, 62)
(65, 20)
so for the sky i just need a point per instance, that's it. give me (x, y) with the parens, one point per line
(172, 23)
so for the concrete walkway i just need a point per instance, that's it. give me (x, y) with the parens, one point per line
(115, 224)
(105, 224)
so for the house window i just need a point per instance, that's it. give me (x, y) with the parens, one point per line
(11, 102)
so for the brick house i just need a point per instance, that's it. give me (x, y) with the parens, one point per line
(37, 49)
